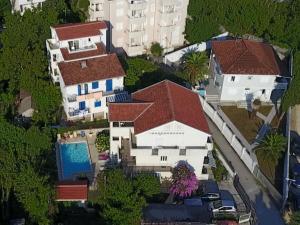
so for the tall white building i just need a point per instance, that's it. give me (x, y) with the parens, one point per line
(163, 125)
(88, 77)
(136, 24)
(245, 70)
(22, 5)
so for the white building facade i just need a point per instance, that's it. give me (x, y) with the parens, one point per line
(22, 5)
(246, 70)
(147, 145)
(136, 24)
(88, 77)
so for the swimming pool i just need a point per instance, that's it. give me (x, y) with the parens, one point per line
(75, 159)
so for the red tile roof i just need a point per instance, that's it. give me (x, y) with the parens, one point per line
(246, 57)
(79, 30)
(100, 50)
(98, 68)
(163, 102)
(71, 191)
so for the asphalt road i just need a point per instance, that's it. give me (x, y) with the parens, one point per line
(266, 211)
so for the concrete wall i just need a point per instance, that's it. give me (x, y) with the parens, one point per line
(249, 159)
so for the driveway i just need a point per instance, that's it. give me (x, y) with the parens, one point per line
(266, 210)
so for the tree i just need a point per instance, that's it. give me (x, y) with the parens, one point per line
(195, 66)
(21, 162)
(184, 181)
(147, 184)
(156, 49)
(295, 218)
(102, 141)
(270, 150)
(135, 69)
(120, 202)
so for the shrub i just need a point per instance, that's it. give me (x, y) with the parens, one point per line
(102, 141)
(156, 49)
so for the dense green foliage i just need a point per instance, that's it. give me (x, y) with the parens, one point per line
(23, 155)
(23, 61)
(274, 21)
(135, 68)
(295, 218)
(102, 141)
(292, 96)
(156, 49)
(121, 198)
(195, 67)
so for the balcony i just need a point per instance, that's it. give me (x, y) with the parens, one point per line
(53, 44)
(78, 112)
(140, 18)
(137, 4)
(92, 46)
(72, 98)
(94, 95)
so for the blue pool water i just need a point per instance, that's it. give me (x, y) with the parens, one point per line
(75, 159)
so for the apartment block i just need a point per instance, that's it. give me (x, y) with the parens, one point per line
(136, 24)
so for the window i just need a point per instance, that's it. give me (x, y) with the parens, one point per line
(82, 105)
(182, 152)
(109, 85)
(163, 158)
(232, 78)
(54, 58)
(250, 77)
(155, 151)
(95, 85)
(97, 103)
(115, 138)
(115, 124)
(263, 91)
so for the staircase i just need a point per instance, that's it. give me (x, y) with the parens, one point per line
(212, 99)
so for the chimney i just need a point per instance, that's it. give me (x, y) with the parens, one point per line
(83, 64)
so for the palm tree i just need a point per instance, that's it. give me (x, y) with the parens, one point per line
(196, 66)
(270, 150)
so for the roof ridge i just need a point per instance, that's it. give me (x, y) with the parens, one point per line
(150, 104)
(75, 24)
(148, 86)
(170, 100)
(258, 59)
(235, 61)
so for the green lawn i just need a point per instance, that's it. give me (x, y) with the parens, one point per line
(249, 127)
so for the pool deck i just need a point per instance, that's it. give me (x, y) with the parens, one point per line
(90, 139)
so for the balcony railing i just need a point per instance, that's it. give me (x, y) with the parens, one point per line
(53, 44)
(72, 98)
(83, 48)
(78, 112)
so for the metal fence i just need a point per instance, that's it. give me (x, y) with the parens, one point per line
(246, 200)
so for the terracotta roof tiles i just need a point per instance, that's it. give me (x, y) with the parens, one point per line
(164, 102)
(72, 191)
(88, 70)
(100, 50)
(79, 30)
(246, 57)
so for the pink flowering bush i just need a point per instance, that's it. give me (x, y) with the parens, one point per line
(184, 181)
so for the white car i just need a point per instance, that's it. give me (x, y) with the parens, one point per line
(222, 206)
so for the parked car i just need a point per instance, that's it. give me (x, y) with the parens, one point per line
(210, 191)
(222, 206)
(196, 201)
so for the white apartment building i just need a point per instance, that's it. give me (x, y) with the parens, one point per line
(22, 5)
(136, 24)
(246, 70)
(88, 77)
(163, 125)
